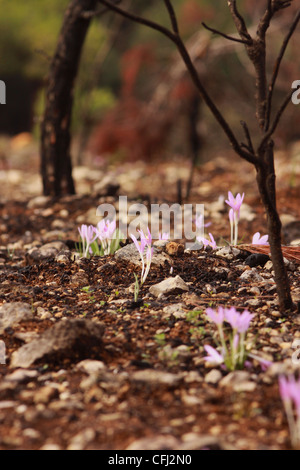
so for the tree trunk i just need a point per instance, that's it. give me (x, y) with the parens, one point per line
(56, 165)
(267, 189)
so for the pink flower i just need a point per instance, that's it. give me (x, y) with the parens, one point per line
(217, 317)
(258, 240)
(213, 356)
(238, 321)
(106, 229)
(289, 390)
(199, 222)
(206, 242)
(163, 236)
(235, 202)
(88, 235)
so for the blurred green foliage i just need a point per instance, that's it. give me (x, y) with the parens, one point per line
(28, 35)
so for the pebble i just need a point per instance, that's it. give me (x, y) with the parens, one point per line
(64, 340)
(177, 310)
(82, 439)
(45, 394)
(251, 275)
(213, 376)
(228, 252)
(130, 254)
(13, 313)
(168, 286)
(49, 250)
(155, 377)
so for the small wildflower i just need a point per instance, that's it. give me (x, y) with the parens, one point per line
(234, 214)
(210, 242)
(260, 240)
(213, 356)
(289, 389)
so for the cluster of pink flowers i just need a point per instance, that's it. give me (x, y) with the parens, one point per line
(235, 204)
(105, 232)
(233, 353)
(145, 244)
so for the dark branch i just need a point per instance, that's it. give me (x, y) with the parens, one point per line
(215, 31)
(139, 19)
(265, 21)
(176, 39)
(239, 22)
(249, 145)
(273, 128)
(172, 15)
(277, 67)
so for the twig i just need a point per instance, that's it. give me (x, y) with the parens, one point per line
(172, 15)
(215, 31)
(277, 67)
(248, 137)
(239, 22)
(139, 19)
(251, 158)
(265, 21)
(273, 128)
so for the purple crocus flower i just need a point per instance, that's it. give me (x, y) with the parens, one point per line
(235, 202)
(106, 229)
(234, 214)
(214, 357)
(260, 240)
(216, 316)
(145, 241)
(163, 236)
(210, 242)
(238, 321)
(88, 235)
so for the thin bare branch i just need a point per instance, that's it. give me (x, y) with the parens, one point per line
(139, 19)
(273, 127)
(265, 20)
(251, 158)
(230, 38)
(239, 21)
(277, 67)
(249, 145)
(172, 15)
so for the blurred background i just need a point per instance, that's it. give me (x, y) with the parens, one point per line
(134, 100)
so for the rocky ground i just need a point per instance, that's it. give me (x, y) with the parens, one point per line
(88, 368)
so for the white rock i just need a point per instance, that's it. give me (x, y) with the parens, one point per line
(213, 376)
(169, 285)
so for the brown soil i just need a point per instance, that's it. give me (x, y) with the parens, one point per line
(117, 409)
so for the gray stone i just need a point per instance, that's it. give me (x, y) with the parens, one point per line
(228, 252)
(194, 441)
(177, 310)
(168, 286)
(82, 439)
(47, 251)
(213, 377)
(69, 339)
(38, 201)
(22, 376)
(13, 313)
(130, 253)
(160, 442)
(46, 394)
(155, 377)
(251, 275)
(235, 379)
(91, 366)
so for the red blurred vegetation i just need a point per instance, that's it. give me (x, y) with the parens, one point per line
(137, 129)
